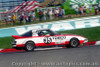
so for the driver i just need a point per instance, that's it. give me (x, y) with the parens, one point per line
(41, 33)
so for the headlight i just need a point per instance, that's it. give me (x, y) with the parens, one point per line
(86, 40)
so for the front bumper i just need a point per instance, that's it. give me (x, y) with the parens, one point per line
(14, 45)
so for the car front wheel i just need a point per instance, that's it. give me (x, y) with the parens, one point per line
(74, 42)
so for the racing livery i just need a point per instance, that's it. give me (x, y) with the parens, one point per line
(46, 38)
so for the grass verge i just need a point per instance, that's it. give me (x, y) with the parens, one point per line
(93, 34)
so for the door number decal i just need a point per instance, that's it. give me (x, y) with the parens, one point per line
(47, 40)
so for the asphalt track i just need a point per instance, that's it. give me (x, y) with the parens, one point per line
(67, 57)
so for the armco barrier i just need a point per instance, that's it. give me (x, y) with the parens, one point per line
(55, 25)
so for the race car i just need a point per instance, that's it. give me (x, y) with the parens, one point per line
(46, 38)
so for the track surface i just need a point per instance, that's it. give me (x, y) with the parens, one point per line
(66, 57)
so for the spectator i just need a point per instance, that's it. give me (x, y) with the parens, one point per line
(95, 8)
(81, 10)
(54, 12)
(76, 10)
(57, 12)
(84, 10)
(21, 17)
(50, 14)
(25, 18)
(34, 16)
(44, 14)
(40, 15)
(5, 19)
(60, 13)
(29, 17)
(63, 12)
(90, 8)
(9, 19)
(99, 7)
(14, 18)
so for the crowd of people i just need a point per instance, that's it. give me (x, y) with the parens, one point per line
(82, 10)
(10, 19)
(43, 15)
(48, 14)
(51, 13)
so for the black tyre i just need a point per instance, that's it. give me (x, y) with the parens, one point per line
(29, 46)
(74, 42)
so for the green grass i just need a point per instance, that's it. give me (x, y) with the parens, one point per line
(93, 34)
(5, 42)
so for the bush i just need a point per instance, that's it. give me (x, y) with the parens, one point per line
(69, 11)
(67, 8)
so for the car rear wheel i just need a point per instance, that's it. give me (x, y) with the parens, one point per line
(74, 42)
(29, 46)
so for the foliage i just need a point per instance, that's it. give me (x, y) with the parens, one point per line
(69, 11)
(67, 8)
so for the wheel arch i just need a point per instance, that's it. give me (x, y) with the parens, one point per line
(74, 38)
(28, 41)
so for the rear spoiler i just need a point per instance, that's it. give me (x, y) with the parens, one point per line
(16, 36)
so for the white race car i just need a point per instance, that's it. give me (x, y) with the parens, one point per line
(46, 38)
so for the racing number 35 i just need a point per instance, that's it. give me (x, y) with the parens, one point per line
(47, 40)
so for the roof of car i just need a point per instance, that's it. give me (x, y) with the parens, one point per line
(39, 29)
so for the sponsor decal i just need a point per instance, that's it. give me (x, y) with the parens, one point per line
(59, 38)
(55, 26)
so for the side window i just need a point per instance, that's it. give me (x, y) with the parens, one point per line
(46, 33)
(43, 33)
(27, 34)
(34, 34)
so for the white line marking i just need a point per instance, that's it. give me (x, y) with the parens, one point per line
(48, 48)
